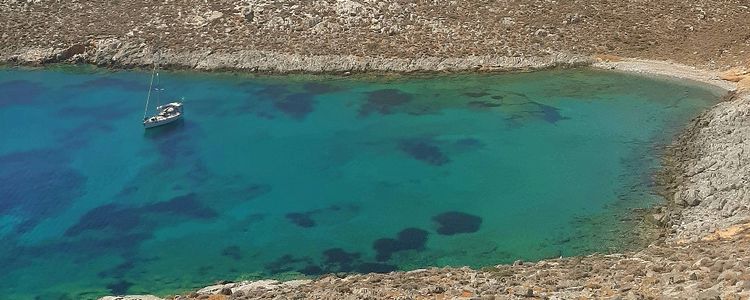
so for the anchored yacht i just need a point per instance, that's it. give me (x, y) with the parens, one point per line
(166, 113)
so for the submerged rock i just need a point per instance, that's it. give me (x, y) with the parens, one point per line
(424, 150)
(408, 239)
(454, 222)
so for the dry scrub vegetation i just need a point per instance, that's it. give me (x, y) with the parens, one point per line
(712, 34)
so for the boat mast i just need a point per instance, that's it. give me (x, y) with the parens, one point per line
(158, 90)
(150, 85)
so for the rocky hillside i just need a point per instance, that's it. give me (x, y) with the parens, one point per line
(711, 172)
(707, 33)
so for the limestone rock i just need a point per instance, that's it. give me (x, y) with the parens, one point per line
(714, 188)
(213, 16)
(203, 19)
(349, 8)
(296, 283)
(217, 288)
(248, 286)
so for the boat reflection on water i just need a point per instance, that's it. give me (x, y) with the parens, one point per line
(166, 130)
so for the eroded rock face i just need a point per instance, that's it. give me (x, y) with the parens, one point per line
(711, 165)
(113, 52)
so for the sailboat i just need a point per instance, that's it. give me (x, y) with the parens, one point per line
(166, 113)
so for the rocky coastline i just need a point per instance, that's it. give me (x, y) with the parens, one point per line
(711, 269)
(113, 53)
(704, 249)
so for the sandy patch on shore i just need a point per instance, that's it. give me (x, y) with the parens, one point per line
(729, 232)
(665, 69)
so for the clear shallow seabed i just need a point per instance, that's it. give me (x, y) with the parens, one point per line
(281, 176)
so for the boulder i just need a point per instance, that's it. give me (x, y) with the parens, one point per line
(225, 291)
(216, 289)
(200, 20)
(35, 55)
(348, 8)
(71, 51)
(213, 16)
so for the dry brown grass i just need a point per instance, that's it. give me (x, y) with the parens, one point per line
(702, 33)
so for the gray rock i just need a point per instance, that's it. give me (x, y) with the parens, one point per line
(226, 291)
(710, 169)
(709, 294)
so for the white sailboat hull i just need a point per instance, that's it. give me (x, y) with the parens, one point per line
(167, 113)
(164, 121)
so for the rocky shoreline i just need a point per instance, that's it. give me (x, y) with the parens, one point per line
(710, 269)
(113, 53)
(710, 163)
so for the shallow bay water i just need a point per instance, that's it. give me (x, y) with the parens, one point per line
(288, 176)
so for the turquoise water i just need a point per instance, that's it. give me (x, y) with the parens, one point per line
(305, 175)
